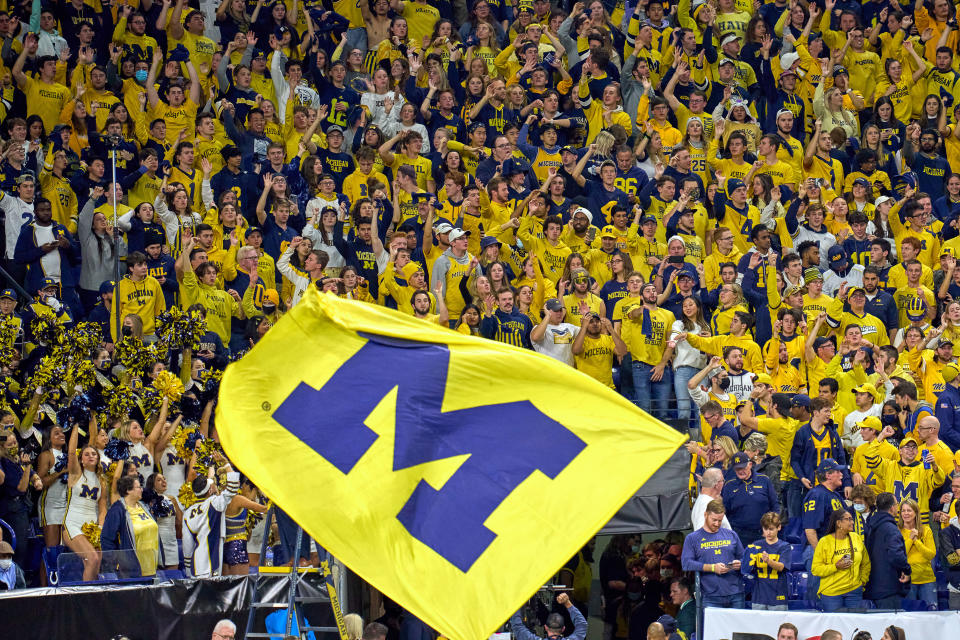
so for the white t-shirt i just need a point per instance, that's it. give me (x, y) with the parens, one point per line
(557, 342)
(51, 260)
(700, 510)
(851, 435)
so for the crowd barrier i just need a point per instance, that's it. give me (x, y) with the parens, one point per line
(746, 624)
(169, 610)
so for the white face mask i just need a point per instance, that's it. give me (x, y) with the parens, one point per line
(5, 563)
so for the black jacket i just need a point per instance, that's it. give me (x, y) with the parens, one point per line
(888, 557)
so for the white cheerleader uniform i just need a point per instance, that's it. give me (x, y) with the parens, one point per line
(174, 470)
(83, 503)
(167, 526)
(53, 500)
(141, 456)
(204, 530)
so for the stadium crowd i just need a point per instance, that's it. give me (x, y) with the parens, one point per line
(743, 216)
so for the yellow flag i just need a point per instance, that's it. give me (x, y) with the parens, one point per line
(454, 474)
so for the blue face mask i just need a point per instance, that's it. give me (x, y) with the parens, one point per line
(141, 75)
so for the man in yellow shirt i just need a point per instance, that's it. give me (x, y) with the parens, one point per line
(180, 112)
(138, 294)
(649, 352)
(45, 96)
(581, 300)
(595, 348)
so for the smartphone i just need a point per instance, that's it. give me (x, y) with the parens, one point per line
(674, 259)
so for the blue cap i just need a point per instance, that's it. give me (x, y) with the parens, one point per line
(800, 400)
(863, 182)
(739, 460)
(646, 218)
(828, 465)
(8, 293)
(733, 184)
(515, 165)
(837, 256)
(49, 282)
(486, 241)
(250, 231)
(107, 286)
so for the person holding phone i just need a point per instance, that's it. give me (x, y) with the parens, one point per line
(842, 563)
(715, 552)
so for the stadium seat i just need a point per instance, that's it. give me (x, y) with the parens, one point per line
(796, 558)
(914, 605)
(170, 574)
(8, 534)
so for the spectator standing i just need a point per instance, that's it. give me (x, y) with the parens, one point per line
(921, 550)
(890, 570)
(715, 553)
(842, 563)
(747, 498)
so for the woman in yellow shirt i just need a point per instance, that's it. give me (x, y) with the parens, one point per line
(841, 561)
(921, 551)
(897, 88)
(731, 301)
(469, 322)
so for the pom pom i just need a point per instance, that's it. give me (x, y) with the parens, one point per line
(178, 329)
(80, 373)
(117, 449)
(133, 354)
(150, 401)
(205, 450)
(60, 465)
(168, 385)
(120, 401)
(92, 531)
(45, 329)
(184, 440)
(9, 329)
(187, 497)
(253, 517)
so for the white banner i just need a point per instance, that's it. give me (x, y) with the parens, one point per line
(745, 624)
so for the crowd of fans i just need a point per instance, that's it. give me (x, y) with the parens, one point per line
(743, 216)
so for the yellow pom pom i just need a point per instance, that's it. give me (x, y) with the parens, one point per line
(92, 531)
(186, 496)
(168, 385)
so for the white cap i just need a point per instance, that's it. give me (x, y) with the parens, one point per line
(879, 201)
(443, 227)
(730, 37)
(585, 212)
(457, 233)
(787, 60)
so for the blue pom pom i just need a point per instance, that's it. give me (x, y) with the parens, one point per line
(117, 449)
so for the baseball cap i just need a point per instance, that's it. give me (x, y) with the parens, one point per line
(49, 282)
(733, 184)
(908, 441)
(740, 460)
(513, 166)
(105, 287)
(866, 387)
(554, 304)
(26, 176)
(839, 70)
(251, 231)
(486, 241)
(837, 256)
(763, 378)
(727, 39)
(800, 400)
(854, 290)
(271, 295)
(820, 342)
(863, 182)
(828, 465)
(609, 231)
(871, 422)
(879, 201)
(334, 127)
(682, 273)
(10, 293)
(812, 273)
(949, 372)
(647, 218)
(568, 149)
(152, 237)
(944, 342)
(580, 273)
(443, 227)
(458, 233)
(792, 291)
(787, 60)
(946, 251)
(585, 212)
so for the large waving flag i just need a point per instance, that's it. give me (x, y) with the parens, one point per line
(454, 474)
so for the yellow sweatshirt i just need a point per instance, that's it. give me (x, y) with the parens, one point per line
(834, 581)
(920, 554)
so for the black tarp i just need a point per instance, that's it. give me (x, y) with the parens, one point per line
(178, 609)
(661, 504)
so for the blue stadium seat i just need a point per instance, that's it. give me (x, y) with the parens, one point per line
(170, 574)
(9, 534)
(796, 558)
(914, 605)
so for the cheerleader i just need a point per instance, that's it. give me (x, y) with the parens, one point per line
(205, 527)
(173, 467)
(86, 504)
(235, 557)
(142, 447)
(52, 467)
(165, 509)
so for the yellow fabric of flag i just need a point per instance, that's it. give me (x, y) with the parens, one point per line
(455, 474)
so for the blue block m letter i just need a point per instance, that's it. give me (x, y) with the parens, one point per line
(507, 442)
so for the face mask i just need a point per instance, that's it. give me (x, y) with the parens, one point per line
(105, 365)
(724, 384)
(860, 508)
(267, 310)
(127, 331)
(13, 451)
(141, 75)
(6, 563)
(635, 548)
(634, 596)
(890, 419)
(666, 573)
